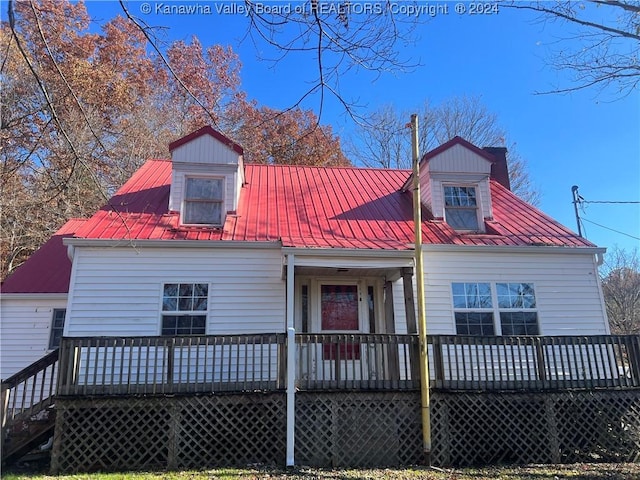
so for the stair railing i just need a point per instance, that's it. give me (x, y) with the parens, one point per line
(29, 391)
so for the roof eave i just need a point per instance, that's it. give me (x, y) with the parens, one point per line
(34, 296)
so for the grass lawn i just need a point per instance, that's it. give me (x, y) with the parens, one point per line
(593, 471)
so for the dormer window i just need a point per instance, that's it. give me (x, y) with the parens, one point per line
(461, 207)
(203, 201)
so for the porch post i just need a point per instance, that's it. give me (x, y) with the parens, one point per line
(412, 326)
(291, 363)
(390, 327)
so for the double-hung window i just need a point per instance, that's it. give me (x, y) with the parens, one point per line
(203, 201)
(473, 308)
(477, 305)
(517, 305)
(184, 308)
(461, 207)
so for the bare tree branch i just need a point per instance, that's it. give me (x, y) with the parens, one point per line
(384, 143)
(620, 276)
(604, 52)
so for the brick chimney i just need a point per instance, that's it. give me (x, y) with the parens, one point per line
(499, 168)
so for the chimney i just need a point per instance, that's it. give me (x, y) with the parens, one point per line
(499, 168)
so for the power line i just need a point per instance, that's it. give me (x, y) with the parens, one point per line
(607, 201)
(607, 228)
(579, 202)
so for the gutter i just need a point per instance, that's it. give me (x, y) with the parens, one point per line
(514, 249)
(349, 252)
(100, 242)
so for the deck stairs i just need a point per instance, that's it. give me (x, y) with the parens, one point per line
(27, 408)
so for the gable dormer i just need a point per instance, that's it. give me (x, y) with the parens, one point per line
(207, 175)
(454, 183)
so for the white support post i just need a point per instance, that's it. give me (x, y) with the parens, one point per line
(291, 363)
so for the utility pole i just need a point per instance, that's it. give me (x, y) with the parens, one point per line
(576, 200)
(422, 317)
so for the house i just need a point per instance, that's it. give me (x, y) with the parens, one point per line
(203, 246)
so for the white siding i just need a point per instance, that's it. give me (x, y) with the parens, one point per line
(205, 149)
(566, 286)
(117, 291)
(459, 159)
(25, 328)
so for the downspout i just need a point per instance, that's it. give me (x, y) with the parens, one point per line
(291, 363)
(422, 317)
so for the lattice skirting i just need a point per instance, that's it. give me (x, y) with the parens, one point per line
(136, 433)
(356, 429)
(490, 428)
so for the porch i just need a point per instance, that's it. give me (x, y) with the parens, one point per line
(178, 402)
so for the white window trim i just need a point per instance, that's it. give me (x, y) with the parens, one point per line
(184, 312)
(223, 209)
(495, 309)
(478, 207)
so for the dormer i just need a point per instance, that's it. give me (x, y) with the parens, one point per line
(207, 175)
(454, 183)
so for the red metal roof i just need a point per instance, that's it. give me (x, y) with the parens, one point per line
(300, 206)
(48, 270)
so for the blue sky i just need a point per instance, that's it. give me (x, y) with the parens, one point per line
(587, 138)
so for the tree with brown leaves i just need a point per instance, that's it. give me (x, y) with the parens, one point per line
(82, 110)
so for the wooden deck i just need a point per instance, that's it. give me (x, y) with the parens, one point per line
(149, 386)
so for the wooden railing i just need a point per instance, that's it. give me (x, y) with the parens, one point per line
(257, 362)
(346, 361)
(29, 391)
(167, 365)
(534, 363)
(357, 361)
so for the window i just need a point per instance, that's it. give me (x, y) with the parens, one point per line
(184, 308)
(203, 201)
(57, 327)
(473, 310)
(517, 304)
(461, 207)
(476, 305)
